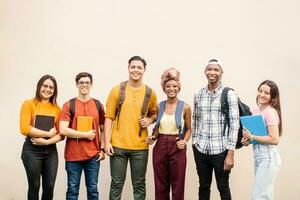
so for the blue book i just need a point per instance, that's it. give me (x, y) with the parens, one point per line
(255, 124)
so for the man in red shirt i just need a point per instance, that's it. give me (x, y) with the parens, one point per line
(83, 149)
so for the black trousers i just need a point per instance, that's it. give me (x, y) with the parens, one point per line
(40, 161)
(205, 165)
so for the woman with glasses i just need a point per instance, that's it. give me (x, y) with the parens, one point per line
(39, 123)
(172, 131)
(267, 160)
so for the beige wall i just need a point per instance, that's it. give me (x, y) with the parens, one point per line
(256, 40)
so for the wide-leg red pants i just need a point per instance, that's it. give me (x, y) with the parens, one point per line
(169, 165)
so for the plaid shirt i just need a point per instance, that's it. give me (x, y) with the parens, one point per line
(208, 122)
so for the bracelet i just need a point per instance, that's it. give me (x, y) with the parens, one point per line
(251, 137)
(152, 137)
(102, 149)
(184, 142)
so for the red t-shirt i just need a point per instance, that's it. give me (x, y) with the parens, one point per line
(82, 149)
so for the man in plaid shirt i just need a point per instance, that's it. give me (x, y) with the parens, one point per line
(212, 145)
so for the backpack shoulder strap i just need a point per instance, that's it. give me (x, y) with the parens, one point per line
(72, 111)
(146, 101)
(120, 100)
(224, 100)
(225, 106)
(98, 105)
(99, 109)
(178, 114)
(122, 93)
(145, 105)
(161, 110)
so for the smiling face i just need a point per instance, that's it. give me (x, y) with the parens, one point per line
(171, 88)
(84, 85)
(136, 70)
(264, 95)
(213, 73)
(47, 90)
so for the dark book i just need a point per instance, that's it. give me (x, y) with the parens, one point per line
(44, 122)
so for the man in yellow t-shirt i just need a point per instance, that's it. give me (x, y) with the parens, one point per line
(123, 139)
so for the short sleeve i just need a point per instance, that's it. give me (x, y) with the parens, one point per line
(101, 116)
(65, 112)
(271, 117)
(111, 103)
(25, 117)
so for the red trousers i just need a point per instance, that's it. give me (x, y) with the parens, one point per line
(169, 164)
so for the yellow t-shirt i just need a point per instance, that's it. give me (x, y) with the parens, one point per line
(126, 134)
(32, 107)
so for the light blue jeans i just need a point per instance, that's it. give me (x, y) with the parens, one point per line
(267, 162)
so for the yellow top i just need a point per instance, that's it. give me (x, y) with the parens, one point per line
(168, 126)
(126, 135)
(32, 107)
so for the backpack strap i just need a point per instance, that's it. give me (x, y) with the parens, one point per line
(120, 100)
(178, 113)
(99, 107)
(145, 105)
(225, 106)
(72, 111)
(161, 110)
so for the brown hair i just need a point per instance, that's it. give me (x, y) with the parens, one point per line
(138, 58)
(40, 84)
(83, 74)
(275, 100)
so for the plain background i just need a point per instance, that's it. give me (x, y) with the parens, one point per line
(256, 40)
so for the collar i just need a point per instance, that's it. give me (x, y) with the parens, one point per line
(218, 89)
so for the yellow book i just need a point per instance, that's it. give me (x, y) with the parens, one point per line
(84, 123)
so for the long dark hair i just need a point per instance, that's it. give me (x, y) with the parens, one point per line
(40, 84)
(275, 100)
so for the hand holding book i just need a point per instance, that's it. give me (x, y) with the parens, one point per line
(91, 134)
(253, 125)
(52, 132)
(45, 123)
(85, 124)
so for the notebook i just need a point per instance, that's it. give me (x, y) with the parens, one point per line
(255, 124)
(44, 122)
(84, 123)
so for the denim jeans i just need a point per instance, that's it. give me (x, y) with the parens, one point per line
(40, 161)
(205, 165)
(118, 166)
(91, 172)
(267, 162)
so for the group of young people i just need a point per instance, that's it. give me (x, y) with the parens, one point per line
(120, 132)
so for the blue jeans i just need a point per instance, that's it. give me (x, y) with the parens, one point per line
(267, 162)
(118, 166)
(91, 172)
(40, 161)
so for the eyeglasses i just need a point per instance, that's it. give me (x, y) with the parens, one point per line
(48, 86)
(84, 82)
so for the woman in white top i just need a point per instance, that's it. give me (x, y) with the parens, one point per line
(172, 131)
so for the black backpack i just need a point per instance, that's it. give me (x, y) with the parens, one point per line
(72, 109)
(244, 110)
